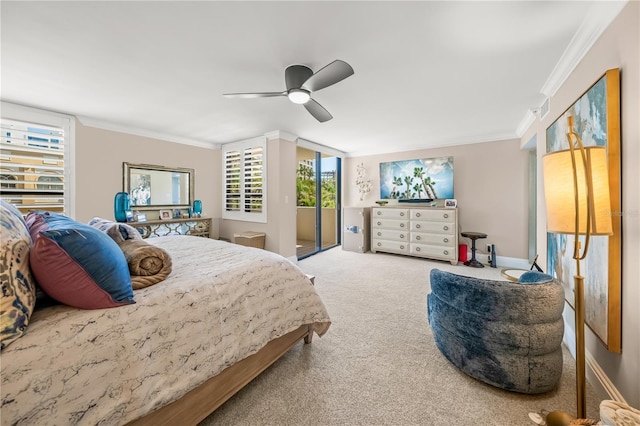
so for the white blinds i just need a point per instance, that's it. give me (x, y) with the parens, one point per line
(32, 160)
(244, 180)
(253, 180)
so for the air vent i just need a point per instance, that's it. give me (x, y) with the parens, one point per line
(544, 108)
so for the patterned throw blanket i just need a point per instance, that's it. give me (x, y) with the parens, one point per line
(148, 264)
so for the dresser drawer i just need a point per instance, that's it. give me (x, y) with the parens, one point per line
(391, 213)
(433, 227)
(433, 215)
(390, 246)
(434, 252)
(398, 225)
(390, 234)
(433, 239)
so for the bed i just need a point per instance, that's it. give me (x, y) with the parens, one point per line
(188, 343)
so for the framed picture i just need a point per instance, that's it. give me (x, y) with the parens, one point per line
(177, 213)
(451, 202)
(129, 215)
(596, 117)
(166, 214)
(141, 217)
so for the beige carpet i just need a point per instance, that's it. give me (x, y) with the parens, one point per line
(378, 364)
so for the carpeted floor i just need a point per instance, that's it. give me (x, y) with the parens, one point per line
(377, 364)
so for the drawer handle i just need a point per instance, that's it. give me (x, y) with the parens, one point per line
(446, 252)
(417, 214)
(401, 235)
(446, 240)
(446, 228)
(378, 212)
(401, 213)
(417, 237)
(379, 244)
(417, 248)
(379, 223)
(445, 215)
(379, 234)
(402, 225)
(418, 226)
(401, 247)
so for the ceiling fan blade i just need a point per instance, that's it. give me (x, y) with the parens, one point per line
(317, 111)
(295, 75)
(254, 95)
(331, 74)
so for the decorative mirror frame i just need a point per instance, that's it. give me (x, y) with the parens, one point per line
(126, 184)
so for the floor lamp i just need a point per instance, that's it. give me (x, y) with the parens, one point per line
(576, 190)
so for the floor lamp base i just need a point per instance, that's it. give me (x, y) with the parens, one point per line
(558, 418)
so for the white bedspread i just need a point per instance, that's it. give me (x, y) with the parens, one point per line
(221, 303)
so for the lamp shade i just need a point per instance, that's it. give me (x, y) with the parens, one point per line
(560, 191)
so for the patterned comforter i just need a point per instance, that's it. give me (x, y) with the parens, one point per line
(221, 303)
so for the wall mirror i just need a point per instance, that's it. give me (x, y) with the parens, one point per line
(151, 187)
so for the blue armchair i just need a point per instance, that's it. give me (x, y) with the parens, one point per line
(507, 334)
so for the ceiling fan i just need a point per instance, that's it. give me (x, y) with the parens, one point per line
(301, 82)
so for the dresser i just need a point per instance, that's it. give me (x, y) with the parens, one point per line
(430, 232)
(199, 226)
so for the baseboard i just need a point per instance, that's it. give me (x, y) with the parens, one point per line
(603, 386)
(512, 262)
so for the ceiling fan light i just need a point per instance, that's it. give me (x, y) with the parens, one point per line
(298, 96)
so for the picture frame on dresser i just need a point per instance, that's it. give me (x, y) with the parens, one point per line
(166, 214)
(451, 202)
(129, 215)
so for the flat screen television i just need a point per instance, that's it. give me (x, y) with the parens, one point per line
(423, 179)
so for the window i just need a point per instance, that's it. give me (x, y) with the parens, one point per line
(244, 177)
(35, 159)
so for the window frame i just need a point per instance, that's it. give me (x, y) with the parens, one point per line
(241, 147)
(11, 111)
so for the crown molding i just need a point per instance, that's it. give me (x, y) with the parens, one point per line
(280, 134)
(598, 18)
(528, 119)
(100, 124)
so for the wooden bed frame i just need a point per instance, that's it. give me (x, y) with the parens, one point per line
(197, 404)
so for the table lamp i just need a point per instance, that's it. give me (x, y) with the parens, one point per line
(576, 190)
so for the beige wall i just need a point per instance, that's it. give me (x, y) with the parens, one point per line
(98, 168)
(618, 47)
(490, 184)
(280, 228)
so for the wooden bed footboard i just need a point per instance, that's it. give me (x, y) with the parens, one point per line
(197, 404)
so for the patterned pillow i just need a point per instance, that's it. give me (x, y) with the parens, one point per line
(18, 285)
(77, 264)
(119, 232)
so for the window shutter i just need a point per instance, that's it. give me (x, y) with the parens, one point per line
(32, 165)
(253, 180)
(244, 179)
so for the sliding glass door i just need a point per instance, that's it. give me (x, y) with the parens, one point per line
(318, 201)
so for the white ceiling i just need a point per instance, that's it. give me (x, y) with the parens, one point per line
(427, 73)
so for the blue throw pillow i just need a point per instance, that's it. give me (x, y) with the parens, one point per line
(534, 277)
(77, 264)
